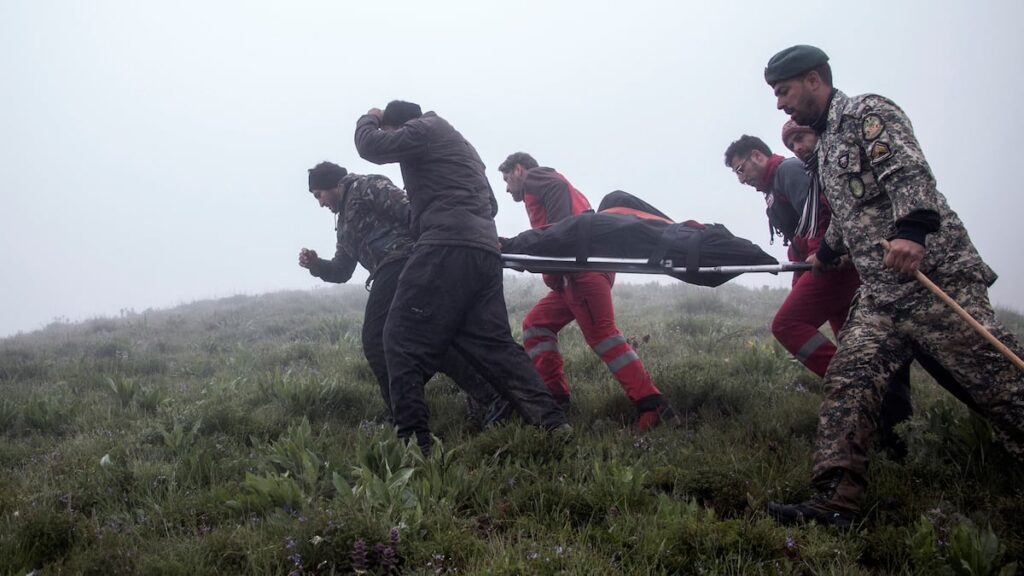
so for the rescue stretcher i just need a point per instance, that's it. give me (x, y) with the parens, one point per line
(556, 264)
(627, 235)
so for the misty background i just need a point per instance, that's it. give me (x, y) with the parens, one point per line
(153, 154)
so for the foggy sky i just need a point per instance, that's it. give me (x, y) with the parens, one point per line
(153, 153)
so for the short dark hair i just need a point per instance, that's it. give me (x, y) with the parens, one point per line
(325, 175)
(521, 158)
(824, 72)
(399, 112)
(744, 146)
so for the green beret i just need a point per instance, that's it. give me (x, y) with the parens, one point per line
(793, 61)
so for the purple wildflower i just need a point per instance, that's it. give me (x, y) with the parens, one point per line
(437, 562)
(389, 560)
(359, 556)
(295, 558)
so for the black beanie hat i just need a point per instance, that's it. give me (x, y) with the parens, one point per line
(325, 176)
(399, 112)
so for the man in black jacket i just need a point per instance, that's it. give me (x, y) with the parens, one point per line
(451, 291)
(373, 231)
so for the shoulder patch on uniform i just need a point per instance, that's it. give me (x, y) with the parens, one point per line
(872, 126)
(879, 151)
(856, 187)
(844, 160)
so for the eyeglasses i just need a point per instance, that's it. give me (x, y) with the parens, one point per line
(742, 166)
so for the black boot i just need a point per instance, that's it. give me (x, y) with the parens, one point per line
(835, 502)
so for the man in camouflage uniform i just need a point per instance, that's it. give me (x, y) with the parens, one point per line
(880, 187)
(373, 230)
(801, 219)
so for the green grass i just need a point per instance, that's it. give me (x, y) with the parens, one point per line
(243, 436)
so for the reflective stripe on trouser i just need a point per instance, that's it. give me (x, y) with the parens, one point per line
(620, 360)
(586, 299)
(813, 301)
(816, 353)
(541, 346)
(877, 341)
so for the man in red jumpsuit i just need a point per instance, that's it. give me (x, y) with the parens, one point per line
(585, 297)
(801, 216)
(799, 213)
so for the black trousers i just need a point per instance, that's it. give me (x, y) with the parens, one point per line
(896, 407)
(452, 297)
(385, 282)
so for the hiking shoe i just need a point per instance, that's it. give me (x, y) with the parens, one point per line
(651, 419)
(816, 509)
(835, 502)
(563, 432)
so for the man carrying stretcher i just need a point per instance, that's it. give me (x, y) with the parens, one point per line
(582, 296)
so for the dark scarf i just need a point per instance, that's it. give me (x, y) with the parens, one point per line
(809, 216)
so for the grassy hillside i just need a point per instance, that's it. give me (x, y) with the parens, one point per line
(243, 436)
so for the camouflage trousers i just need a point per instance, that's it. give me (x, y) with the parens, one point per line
(876, 341)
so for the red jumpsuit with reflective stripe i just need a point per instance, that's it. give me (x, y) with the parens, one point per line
(585, 297)
(813, 300)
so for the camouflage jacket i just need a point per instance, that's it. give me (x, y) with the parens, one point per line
(874, 175)
(373, 228)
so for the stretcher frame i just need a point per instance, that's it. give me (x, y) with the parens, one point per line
(541, 264)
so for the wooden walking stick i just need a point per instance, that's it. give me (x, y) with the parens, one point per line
(964, 314)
